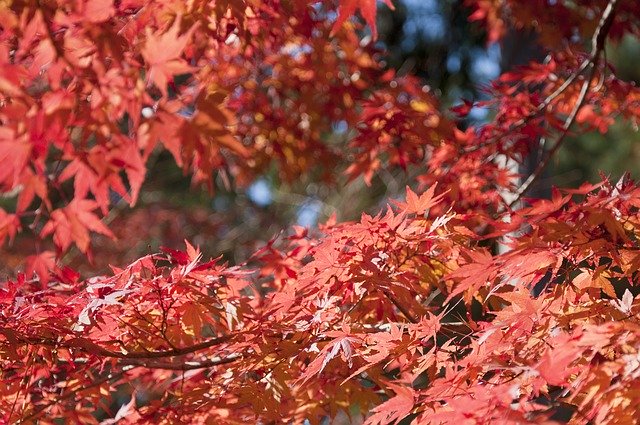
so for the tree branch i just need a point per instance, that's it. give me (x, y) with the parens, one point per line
(160, 354)
(597, 46)
(183, 366)
(406, 313)
(72, 392)
(93, 348)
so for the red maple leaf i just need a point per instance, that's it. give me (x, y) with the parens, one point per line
(73, 223)
(41, 265)
(367, 9)
(162, 53)
(394, 409)
(419, 204)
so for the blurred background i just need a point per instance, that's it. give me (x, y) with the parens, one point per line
(430, 39)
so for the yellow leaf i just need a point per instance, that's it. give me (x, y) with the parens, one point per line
(420, 106)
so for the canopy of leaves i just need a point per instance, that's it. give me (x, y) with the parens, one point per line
(408, 315)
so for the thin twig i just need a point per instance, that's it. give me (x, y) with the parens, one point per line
(537, 112)
(406, 313)
(597, 47)
(73, 392)
(25, 381)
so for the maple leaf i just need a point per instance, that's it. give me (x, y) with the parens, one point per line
(73, 223)
(554, 365)
(31, 185)
(97, 11)
(396, 408)
(531, 264)
(86, 178)
(368, 9)
(419, 205)
(134, 167)
(213, 120)
(179, 257)
(9, 225)
(625, 305)
(14, 155)
(479, 271)
(41, 265)
(596, 279)
(166, 128)
(523, 311)
(343, 342)
(162, 53)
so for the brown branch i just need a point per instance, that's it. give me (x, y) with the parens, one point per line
(406, 313)
(183, 366)
(156, 354)
(93, 348)
(130, 364)
(597, 46)
(73, 392)
(24, 381)
(536, 113)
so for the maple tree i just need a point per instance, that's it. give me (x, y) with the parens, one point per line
(408, 315)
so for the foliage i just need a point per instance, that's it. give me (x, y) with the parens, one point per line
(411, 315)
